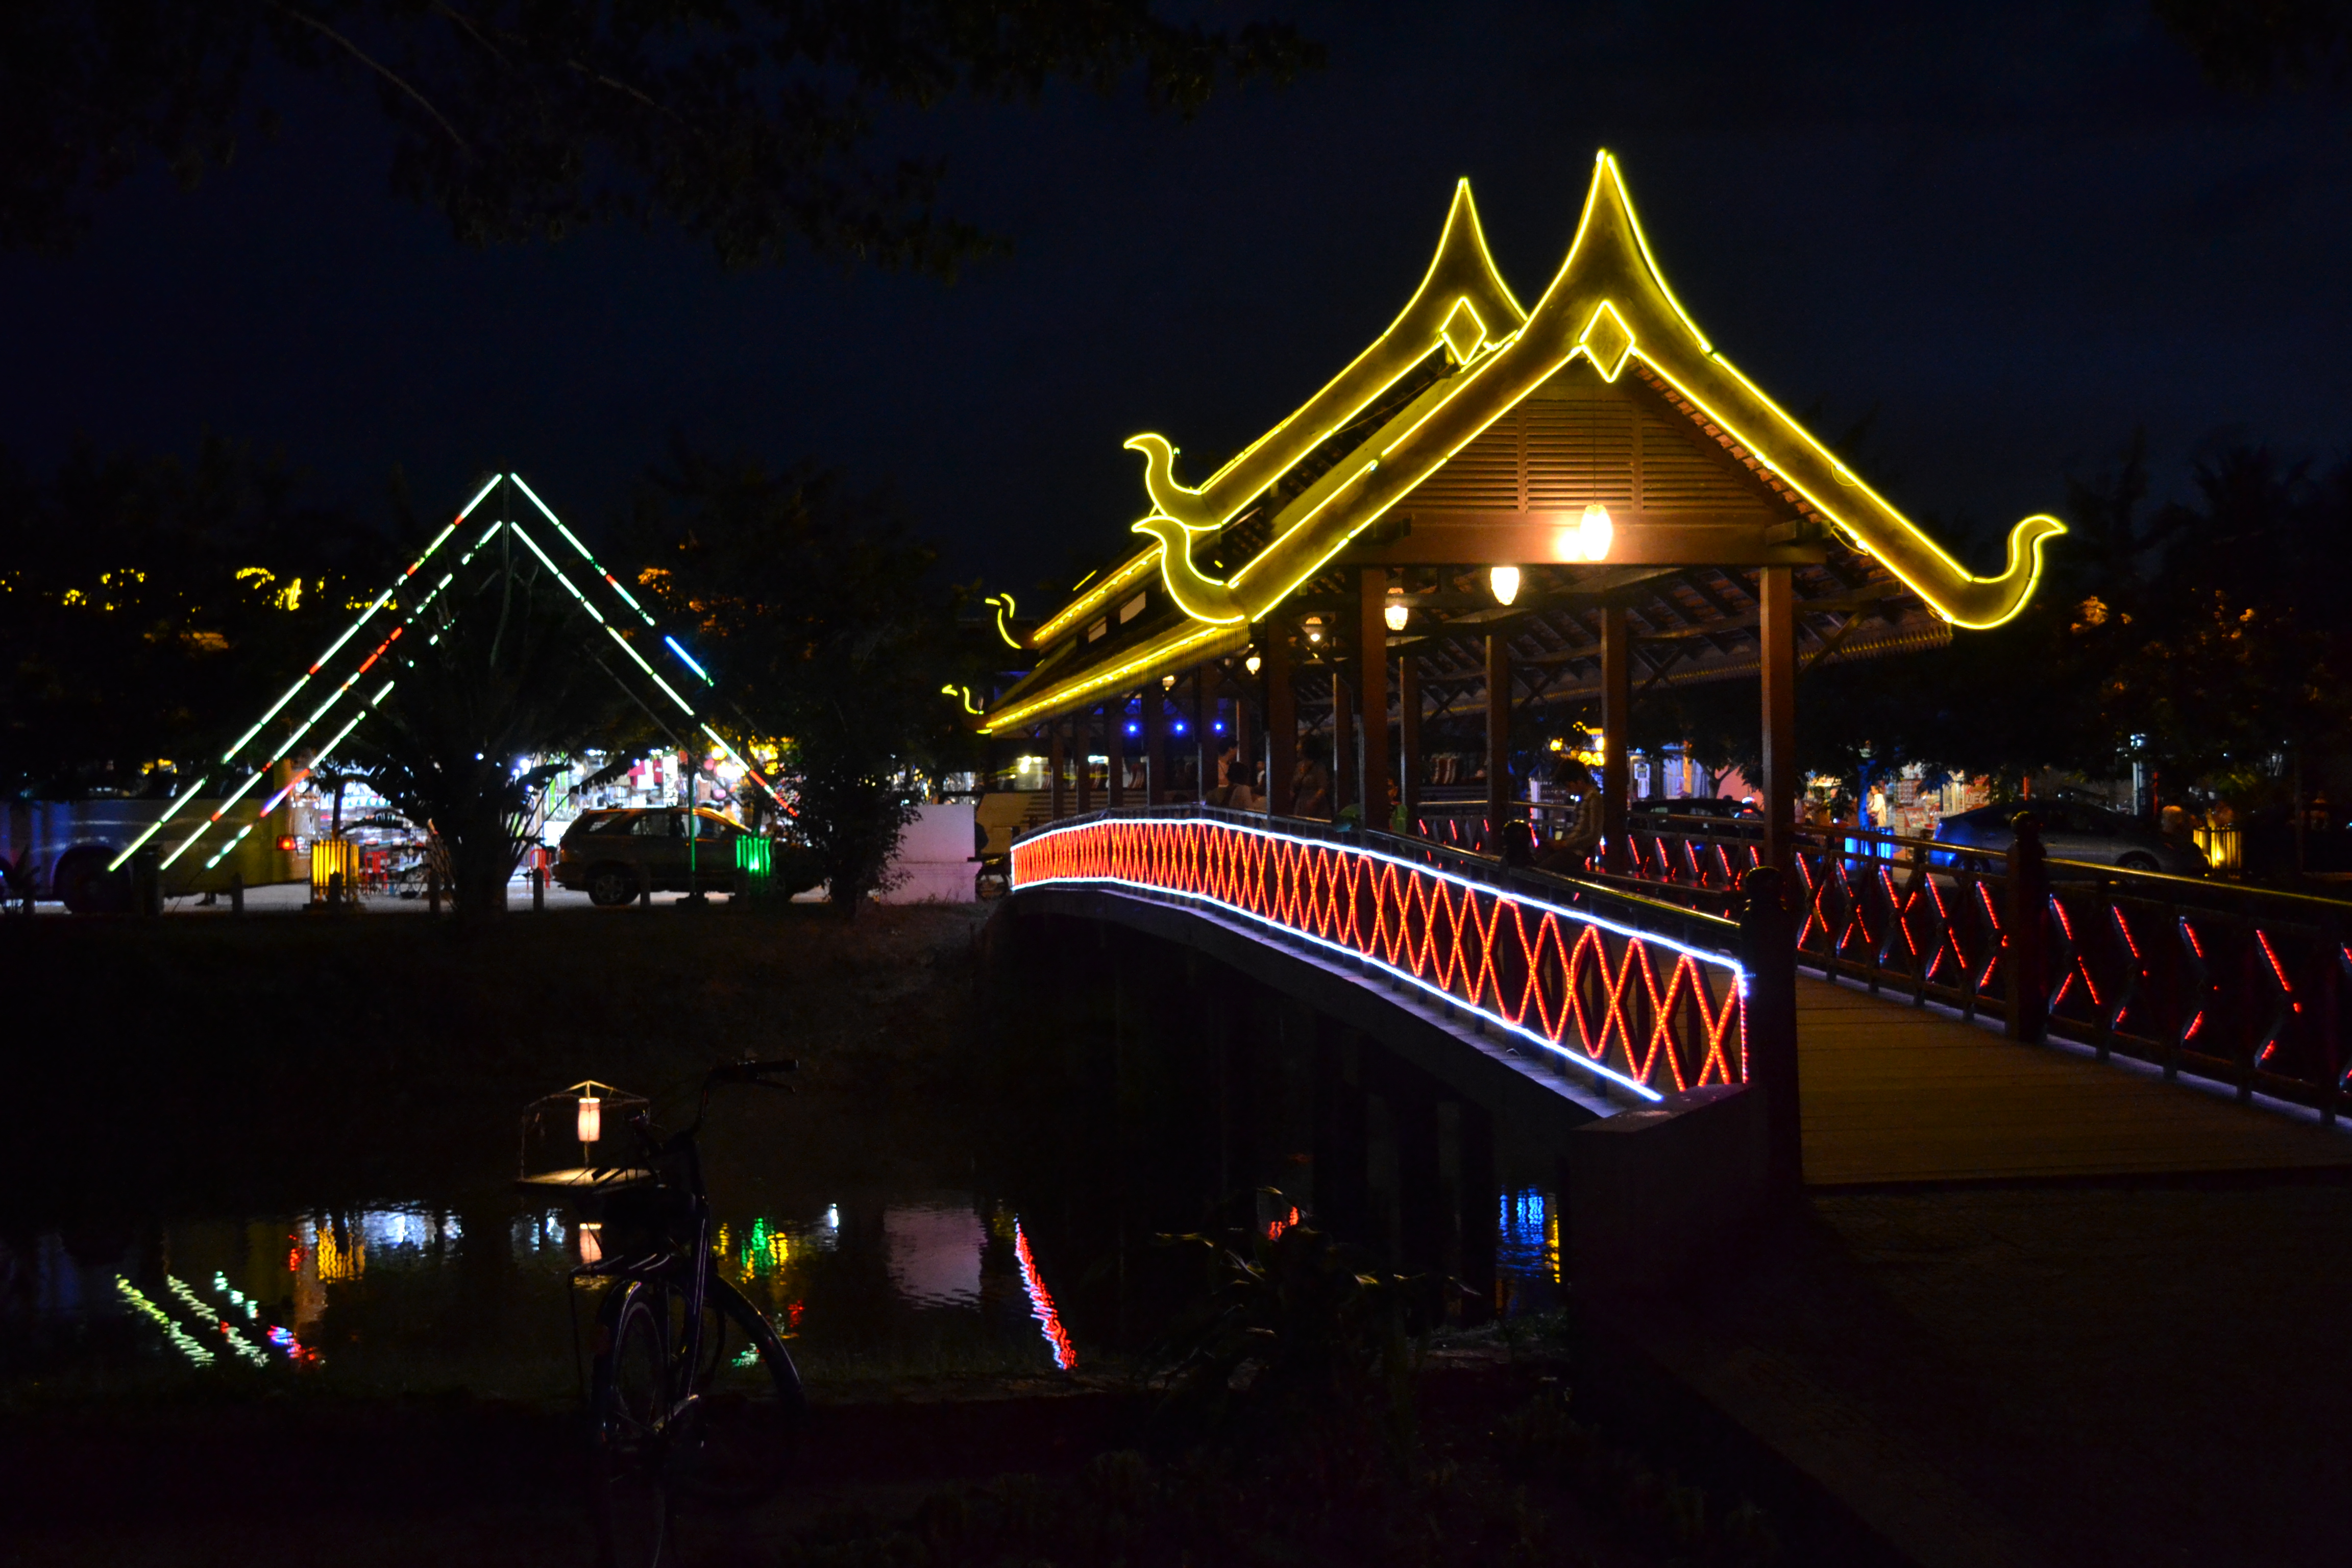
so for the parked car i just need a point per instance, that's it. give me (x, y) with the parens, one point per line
(1725, 815)
(2071, 830)
(610, 853)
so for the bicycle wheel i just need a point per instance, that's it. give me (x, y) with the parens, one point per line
(630, 1401)
(748, 1408)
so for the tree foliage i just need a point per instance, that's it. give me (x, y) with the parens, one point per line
(147, 605)
(829, 628)
(758, 126)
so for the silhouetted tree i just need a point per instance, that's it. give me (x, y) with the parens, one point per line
(760, 126)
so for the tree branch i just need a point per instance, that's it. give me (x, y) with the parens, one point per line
(380, 69)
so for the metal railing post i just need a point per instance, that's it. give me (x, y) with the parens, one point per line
(1769, 949)
(2027, 940)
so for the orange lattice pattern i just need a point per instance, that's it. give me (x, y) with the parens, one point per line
(1635, 1007)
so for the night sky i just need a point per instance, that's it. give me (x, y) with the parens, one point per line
(2020, 231)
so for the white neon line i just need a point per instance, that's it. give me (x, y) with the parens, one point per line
(572, 540)
(560, 577)
(476, 501)
(684, 706)
(157, 825)
(487, 537)
(737, 758)
(221, 852)
(1577, 1058)
(385, 693)
(1702, 955)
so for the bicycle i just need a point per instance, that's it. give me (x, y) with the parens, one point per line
(675, 1412)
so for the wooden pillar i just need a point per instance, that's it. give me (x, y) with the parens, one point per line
(1281, 716)
(1498, 737)
(1244, 735)
(1373, 688)
(1343, 746)
(1082, 742)
(1204, 749)
(1155, 745)
(1114, 748)
(1616, 711)
(1776, 628)
(1409, 732)
(1054, 757)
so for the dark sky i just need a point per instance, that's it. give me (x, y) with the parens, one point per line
(2019, 230)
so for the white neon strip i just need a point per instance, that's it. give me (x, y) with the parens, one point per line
(352, 630)
(560, 577)
(1739, 971)
(615, 583)
(385, 693)
(690, 661)
(683, 705)
(222, 853)
(487, 535)
(470, 505)
(157, 825)
(737, 758)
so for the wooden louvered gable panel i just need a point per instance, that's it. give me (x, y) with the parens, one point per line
(1482, 476)
(1580, 451)
(1684, 470)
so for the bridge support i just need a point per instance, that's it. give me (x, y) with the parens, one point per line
(1616, 731)
(1372, 688)
(1273, 643)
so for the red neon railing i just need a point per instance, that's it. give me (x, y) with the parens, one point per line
(1644, 1010)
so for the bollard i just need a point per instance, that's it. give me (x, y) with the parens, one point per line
(146, 883)
(539, 890)
(1768, 948)
(2027, 934)
(645, 886)
(237, 892)
(334, 889)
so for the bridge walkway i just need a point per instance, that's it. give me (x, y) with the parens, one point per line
(1897, 1093)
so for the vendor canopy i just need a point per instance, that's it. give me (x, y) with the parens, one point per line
(1597, 441)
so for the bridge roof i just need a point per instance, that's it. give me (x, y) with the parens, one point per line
(1597, 441)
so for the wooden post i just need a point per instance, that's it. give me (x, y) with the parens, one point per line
(1204, 736)
(1083, 742)
(1372, 690)
(1409, 734)
(1155, 745)
(1776, 628)
(2026, 943)
(1245, 736)
(539, 890)
(235, 893)
(1115, 747)
(1616, 727)
(1768, 947)
(1498, 737)
(1281, 717)
(1343, 747)
(1057, 787)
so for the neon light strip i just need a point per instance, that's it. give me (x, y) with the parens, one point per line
(683, 706)
(1737, 970)
(1041, 1302)
(222, 853)
(690, 661)
(292, 785)
(570, 539)
(560, 577)
(195, 1303)
(738, 761)
(179, 1336)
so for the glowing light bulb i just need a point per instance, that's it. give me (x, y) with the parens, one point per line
(1167, 683)
(592, 1119)
(1315, 629)
(1505, 582)
(1396, 612)
(1252, 662)
(1594, 533)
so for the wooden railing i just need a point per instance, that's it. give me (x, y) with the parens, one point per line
(2244, 986)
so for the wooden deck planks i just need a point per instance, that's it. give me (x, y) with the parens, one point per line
(1897, 1093)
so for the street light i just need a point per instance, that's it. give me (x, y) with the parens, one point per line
(1505, 582)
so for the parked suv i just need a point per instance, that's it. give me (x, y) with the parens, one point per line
(2071, 830)
(611, 853)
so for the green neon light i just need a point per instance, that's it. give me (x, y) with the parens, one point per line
(572, 540)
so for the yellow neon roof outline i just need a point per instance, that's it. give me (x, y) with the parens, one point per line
(1185, 639)
(1610, 269)
(1134, 569)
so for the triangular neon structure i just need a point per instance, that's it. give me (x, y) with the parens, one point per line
(366, 679)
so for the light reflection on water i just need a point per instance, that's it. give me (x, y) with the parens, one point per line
(417, 1295)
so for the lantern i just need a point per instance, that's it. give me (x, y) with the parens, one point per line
(1315, 629)
(1167, 683)
(1252, 662)
(1396, 612)
(1505, 582)
(1594, 533)
(592, 1119)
